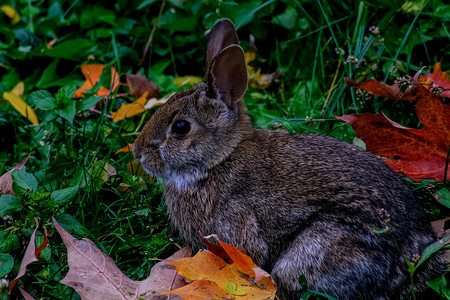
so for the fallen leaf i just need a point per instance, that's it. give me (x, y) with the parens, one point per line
(15, 98)
(438, 78)
(19, 89)
(439, 228)
(25, 295)
(92, 74)
(127, 148)
(51, 43)
(421, 153)
(95, 276)
(214, 278)
(442, 233)
(129, 110)
(31, 255)
(190, 80)
(155, 102)
(11, 13)
(6, 180)
(164, 277)
(139, 85)
(381, 89)
(256, 79)
(202, 289)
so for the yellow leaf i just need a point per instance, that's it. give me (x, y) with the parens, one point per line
(413, 6)
(250, 56)
(191, 80)
(11, 13)
(19, 89)
(129, 110)
(21, 106)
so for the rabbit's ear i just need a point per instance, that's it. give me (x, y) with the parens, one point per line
(221, 36)
(227, 78)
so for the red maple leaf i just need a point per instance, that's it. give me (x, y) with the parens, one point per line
(417, 153)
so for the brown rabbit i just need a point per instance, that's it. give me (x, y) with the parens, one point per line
(299, 204)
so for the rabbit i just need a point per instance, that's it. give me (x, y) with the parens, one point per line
(298, 204)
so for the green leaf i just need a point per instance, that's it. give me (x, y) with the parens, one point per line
(76, 50)
(46, 253)
(37, 96)
(46, 103)
(8, 241)
(72, 226)
(6, 35)
(411, 267)
(440, 286)
(231, 287)
(67, 91)
(145, 4)
(23, 182)
(49, 76)
(286, 19)
(436, 246)
(68, 112)
(6, 264)
(303, 282)
(90, 102)
(380, 230)
(9, 204)
(444, 197)
(64, 196)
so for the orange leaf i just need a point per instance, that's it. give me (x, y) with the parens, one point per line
(92, 74)
(382, 89)
(129, 110)
(438, 78)
(127, 148)
(421, 153)
(214, 278)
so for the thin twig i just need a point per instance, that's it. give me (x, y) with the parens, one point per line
(150, 38)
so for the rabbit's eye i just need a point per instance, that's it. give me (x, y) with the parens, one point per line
(181, 127)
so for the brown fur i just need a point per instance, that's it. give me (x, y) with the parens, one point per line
(299, 204)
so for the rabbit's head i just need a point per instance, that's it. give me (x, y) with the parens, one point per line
(198, 128)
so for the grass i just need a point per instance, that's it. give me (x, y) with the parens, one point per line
(302, 38)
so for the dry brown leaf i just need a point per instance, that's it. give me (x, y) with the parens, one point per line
(31, 255)
(382, 89)
(6, 179)
(164, 277)
(25, 295)
(139, 85)
(441, 233)
(95, 276)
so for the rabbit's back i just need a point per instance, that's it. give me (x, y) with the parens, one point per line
(308, 204)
